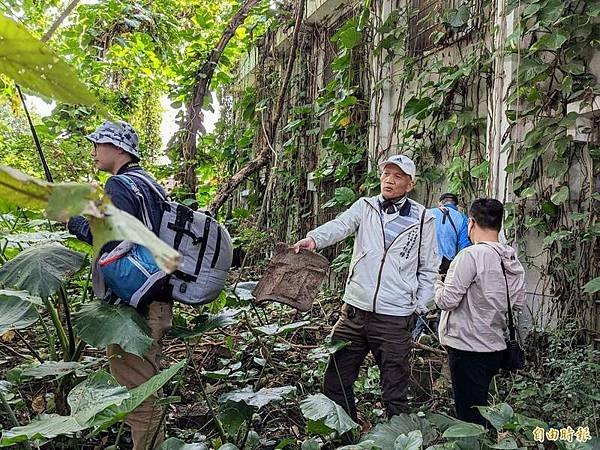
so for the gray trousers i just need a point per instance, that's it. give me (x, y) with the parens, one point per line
(388, 338)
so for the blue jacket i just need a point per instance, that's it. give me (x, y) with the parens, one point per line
(125, 199)
(450, 239)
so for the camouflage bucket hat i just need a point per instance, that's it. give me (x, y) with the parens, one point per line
(118, 133)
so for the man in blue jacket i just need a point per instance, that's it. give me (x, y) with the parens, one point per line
(116, 151)
(450, 229)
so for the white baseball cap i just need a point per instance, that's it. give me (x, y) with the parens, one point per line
(403, 162)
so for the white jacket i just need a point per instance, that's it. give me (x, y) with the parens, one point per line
(389, 282)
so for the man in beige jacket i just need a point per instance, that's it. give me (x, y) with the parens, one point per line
(474, 305)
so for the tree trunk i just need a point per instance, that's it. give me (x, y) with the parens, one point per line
(263, 157)
(193, 120)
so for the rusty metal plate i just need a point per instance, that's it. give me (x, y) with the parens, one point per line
(292, 278)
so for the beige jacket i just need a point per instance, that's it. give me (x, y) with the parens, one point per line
(473, 297)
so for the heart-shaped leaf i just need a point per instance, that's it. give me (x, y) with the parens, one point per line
(41, 270)
(100, 324)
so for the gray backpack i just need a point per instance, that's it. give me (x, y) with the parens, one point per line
(204, 244)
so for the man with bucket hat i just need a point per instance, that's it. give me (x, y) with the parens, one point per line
(116, 151)
(391, 279)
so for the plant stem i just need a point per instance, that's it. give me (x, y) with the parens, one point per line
(214, 415)
(33, 351)
(60, 331)
(50, 338)
(62, 294)
(11, 416)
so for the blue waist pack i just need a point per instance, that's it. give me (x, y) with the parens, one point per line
(132, 275)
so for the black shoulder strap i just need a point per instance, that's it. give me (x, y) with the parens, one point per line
(511, 323)
(142, 201)
(420, 239)
(446, 212)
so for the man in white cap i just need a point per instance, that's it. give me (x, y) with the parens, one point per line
(116, 151)
(391, 280)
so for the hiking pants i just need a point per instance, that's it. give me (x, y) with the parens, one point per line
(471, 374)
(130, 370)
(388, 338)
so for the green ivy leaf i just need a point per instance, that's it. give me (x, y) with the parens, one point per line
(560, 196)
(343, 196)
(350, 38)
(592, 286)
(418, 108)
(34, 66)
(550, 41)
(458, 18)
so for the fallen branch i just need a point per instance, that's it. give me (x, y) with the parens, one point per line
(263, 157)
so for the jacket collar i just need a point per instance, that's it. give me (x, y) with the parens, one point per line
(404, 209)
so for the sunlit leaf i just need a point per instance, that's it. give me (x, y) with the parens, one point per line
(61, 200)
(560, 196)
(100, 324)
(41, 270)
(34, 66)
(64, 200)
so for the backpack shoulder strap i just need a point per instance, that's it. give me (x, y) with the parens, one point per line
(420, 239)
(136, 191)
(150, 184)
(511, 323)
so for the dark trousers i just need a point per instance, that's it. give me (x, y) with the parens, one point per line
(471, 374)
(388, 338)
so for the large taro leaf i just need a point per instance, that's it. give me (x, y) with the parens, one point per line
(23, 296)
(45, 426)
(60, 200)
(100, 324)
(99, 391)
(177, 444)
(137, 396)
(15, 313)
(117, 225)
(257, 399)
(33, 65)
(41, 270)
(233, 415)
(64, 200)
(318, 408)
(385, 434)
